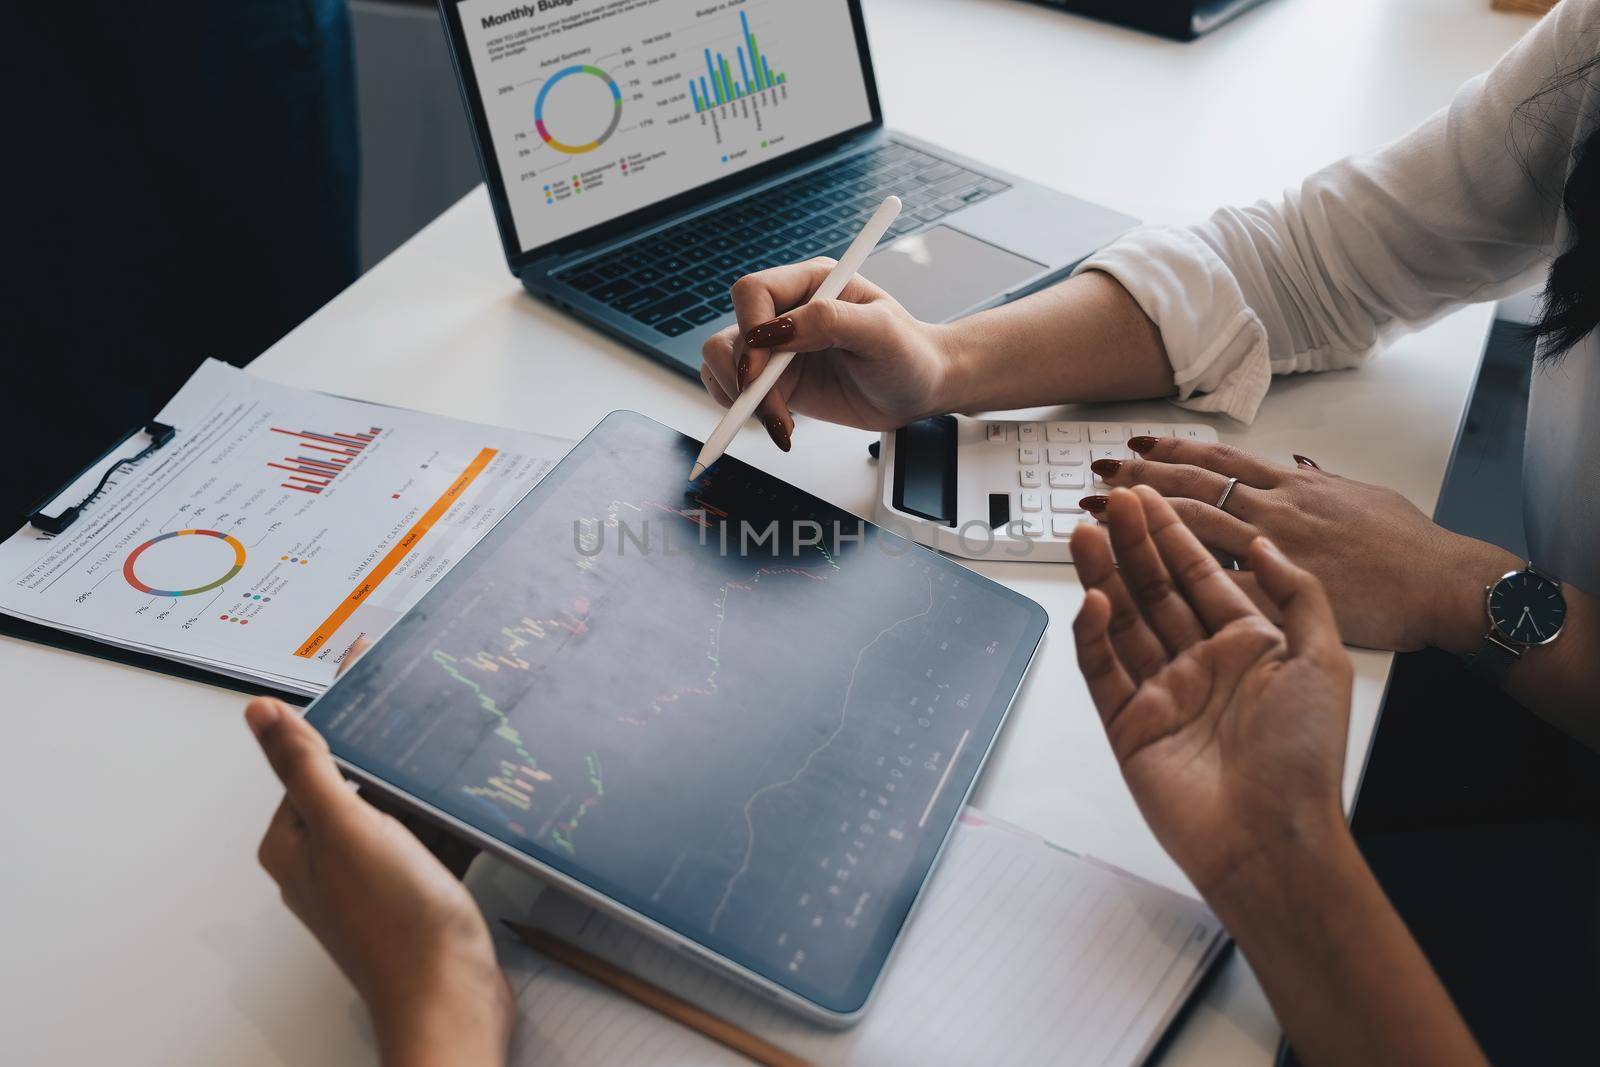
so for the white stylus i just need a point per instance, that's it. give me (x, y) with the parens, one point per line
(745, 403)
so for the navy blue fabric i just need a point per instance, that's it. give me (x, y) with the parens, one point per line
(180, 182)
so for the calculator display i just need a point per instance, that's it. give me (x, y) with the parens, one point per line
(925, 469)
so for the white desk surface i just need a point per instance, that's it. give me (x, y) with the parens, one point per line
(138, 928)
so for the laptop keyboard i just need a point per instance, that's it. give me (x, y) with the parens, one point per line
(679, 278)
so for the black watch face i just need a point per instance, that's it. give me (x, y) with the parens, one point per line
(1526, 608)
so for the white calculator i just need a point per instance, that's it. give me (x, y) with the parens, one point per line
(983, 489)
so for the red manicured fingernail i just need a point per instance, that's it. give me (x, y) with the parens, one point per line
(1105, 468)
(779, 435)
(768, 334)
(1306, 462)
(1094, 504)
(1141, 444)
(744, 369)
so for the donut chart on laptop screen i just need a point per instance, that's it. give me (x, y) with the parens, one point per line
(556, 79)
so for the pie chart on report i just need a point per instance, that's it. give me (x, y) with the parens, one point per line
(578, 109)
(183, 563)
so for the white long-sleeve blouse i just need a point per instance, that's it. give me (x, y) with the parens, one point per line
(1465, 208)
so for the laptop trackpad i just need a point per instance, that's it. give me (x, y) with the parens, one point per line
(940, 273)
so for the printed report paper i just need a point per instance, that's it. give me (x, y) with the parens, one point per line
(277, 527)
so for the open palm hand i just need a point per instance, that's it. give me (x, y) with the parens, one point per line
(1230, 731)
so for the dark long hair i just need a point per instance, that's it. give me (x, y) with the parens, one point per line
(1569, 308)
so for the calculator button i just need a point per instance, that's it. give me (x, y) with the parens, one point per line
(1066, 432)
(1066, 455)
(1105, 452)
(1028, 454)
(1028, 433)
(1030, 478)
(1149, 429)
(1070, 478)
(1032, 502)
(997, 431)
(1191, 433)
(1061, 500)
(1062, 525)
(1032, 526)
(1107, 433)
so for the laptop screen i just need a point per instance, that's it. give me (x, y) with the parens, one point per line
(596, 108)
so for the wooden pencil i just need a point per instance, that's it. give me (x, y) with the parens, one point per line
(653, 996)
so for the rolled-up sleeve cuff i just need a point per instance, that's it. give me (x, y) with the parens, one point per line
(1216, 344)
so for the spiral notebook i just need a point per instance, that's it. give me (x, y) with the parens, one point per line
(1020, 953)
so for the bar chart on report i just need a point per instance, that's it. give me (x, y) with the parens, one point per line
(319, 458)
(277, 525)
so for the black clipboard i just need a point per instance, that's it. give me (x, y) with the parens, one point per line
(40, 518)
(38, 633)
(53, 520)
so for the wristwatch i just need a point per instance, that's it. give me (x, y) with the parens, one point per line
(1526, 609)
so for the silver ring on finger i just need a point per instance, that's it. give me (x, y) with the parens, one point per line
(1227, 491)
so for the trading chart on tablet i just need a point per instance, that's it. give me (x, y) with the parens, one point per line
(709, 705)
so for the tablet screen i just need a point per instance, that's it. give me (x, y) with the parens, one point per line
(731, 708)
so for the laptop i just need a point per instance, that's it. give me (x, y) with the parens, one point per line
(642, 155)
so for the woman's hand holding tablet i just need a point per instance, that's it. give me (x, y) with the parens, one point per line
(401, 927)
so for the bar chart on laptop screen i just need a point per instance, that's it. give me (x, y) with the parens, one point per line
(597, 109)
(755, 76)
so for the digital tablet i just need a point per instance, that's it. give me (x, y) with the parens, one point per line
(728, 712)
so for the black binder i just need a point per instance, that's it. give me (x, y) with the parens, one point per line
(11, 626)
(1182, 20)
